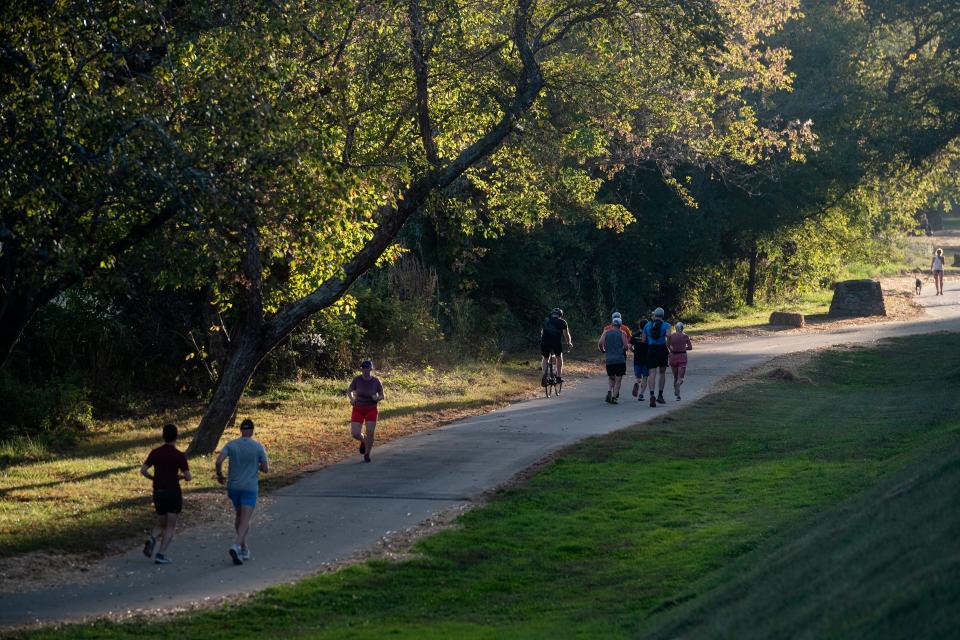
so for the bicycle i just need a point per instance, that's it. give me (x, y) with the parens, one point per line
(552, 383)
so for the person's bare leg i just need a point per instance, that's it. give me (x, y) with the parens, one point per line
(682, 369)
(560, 365)
(368, 441)
(652, 380)
(157, 532)
(616, 386)
(356, 431)
(244, 515)
(676, 377)
(663, 378)
(169, 528)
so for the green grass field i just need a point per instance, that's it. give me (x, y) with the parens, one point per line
(755, 513)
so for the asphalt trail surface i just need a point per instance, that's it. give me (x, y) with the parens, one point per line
(343, 509)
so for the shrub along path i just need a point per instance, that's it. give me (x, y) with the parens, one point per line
(347, 507)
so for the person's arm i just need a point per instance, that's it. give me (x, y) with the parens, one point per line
(626, 342)
(145, 467)
(600, 345)
(689, 344)
(219, 465)
(351, 393)
(380, 394)
(264, 463)
(186, 470)
(566, 334)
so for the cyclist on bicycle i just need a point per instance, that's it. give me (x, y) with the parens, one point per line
(553, 335)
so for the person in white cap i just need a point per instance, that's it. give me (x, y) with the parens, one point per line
(614, 345)
(656, 331)
(678, 343)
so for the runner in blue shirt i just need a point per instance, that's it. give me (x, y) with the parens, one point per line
(656, 331)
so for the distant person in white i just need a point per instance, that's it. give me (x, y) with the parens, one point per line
(937, 267)
(247, 459)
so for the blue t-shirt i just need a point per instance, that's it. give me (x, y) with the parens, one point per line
(245, 456)
(662, 334)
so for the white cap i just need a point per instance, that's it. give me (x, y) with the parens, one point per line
(658, 312)
(617, 320)
(617, 316)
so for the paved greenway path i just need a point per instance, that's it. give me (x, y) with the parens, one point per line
(342, 509)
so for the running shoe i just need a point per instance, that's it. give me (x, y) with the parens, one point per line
(636, 388)
(609, 395)
(660, 398)
(366, 457)
(161, 559)
(640, 397)
(678, 397)
(244, 553)
(653, 400)
(614, 399)
(149, 545)
(235, 553)
(363, 447)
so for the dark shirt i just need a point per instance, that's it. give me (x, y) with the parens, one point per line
(167, 462)
(639, 348)
(364, 390)
(553, 328)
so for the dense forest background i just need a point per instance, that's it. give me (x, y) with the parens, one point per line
(843, 143)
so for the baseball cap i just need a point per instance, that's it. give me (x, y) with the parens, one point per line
(679, 326)
(366, 364)
(658, 312)
(617, 316)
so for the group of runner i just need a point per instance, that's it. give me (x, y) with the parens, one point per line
(166, 466)
(247, 459)
(656, 344)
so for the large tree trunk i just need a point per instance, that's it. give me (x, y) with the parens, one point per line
(248, 351)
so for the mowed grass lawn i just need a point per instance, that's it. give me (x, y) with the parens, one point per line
(640, 532)
(92, 498)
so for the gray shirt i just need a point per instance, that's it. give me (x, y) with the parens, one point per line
(613, 351)
(245, 456)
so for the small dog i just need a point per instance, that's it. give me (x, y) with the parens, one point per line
(918, 285)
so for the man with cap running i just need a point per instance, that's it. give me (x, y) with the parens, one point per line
(656, 331)
(614, 344)
(364, 393)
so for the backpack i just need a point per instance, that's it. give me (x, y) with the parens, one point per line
(655, 328)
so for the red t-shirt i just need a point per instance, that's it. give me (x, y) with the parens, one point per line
(167, 462)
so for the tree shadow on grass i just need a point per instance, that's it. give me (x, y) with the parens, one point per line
(53, 483)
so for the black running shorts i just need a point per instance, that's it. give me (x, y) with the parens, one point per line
(614, 370)
(167, 501)
(657, 355)
(548, 347)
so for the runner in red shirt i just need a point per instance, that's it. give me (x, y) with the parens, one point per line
(167, 462)
(364, 393)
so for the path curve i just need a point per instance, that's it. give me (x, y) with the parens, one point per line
(347, 507)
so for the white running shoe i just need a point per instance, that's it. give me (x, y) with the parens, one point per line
(236, 554)
(245, 553)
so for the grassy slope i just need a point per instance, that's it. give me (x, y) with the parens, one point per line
(607, 539)
(94, 496)
(884, 564)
